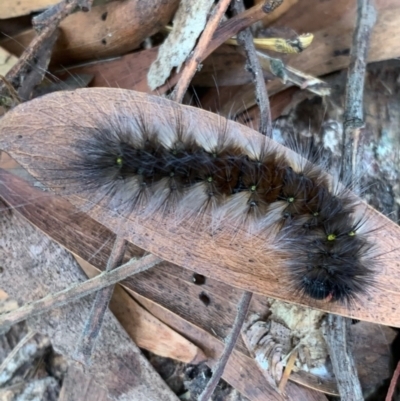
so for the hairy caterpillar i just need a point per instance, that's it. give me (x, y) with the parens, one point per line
(144, 157)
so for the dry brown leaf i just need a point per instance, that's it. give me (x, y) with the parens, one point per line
(127, 72)
(43, 125)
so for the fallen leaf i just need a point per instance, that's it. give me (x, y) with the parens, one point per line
(48, 127)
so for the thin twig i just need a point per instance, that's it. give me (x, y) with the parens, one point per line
(393, 383)
(77, 291)
(243, 307)
(354, 103)
(245, 39)
(335, 330)
(194, 61)
(93, 325)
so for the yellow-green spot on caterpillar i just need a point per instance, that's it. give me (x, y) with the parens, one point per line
(290, 200)
(119, 161)
(210, 179)
(331, 237)
(315, 214)
(253, 188)
(352, 233)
